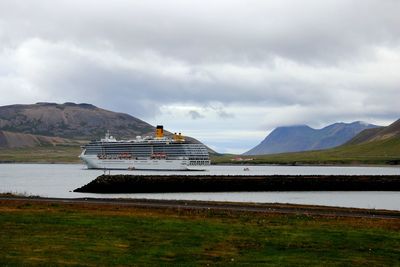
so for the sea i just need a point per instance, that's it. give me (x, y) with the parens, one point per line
(59, 180)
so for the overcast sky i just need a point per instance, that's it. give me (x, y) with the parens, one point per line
(225, 72)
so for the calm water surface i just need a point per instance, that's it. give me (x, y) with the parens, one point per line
(59, 180)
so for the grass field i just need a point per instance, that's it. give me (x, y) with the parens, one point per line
(377, 152)
(42, 154)
(73, 234)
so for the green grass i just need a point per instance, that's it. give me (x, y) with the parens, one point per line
(58, 234)
(42, 154)
(377, 152)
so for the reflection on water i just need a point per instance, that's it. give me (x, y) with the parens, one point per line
(58, 180)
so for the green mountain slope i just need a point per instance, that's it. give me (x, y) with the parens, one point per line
(381, 133)
(372, 146)
(364, 136)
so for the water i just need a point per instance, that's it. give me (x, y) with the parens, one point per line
(59, 180)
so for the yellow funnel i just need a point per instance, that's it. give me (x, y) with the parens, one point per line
(159, 131)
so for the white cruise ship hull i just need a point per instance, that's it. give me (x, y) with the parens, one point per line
(93, 162)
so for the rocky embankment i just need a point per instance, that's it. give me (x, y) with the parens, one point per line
(184, 183)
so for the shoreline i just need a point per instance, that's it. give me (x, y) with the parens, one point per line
(220, 164)
(263, 208)
(43, 163)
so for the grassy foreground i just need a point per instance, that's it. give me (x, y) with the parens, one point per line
(75, 234)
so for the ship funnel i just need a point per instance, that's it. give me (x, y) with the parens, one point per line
(159, 131)
(179, 137)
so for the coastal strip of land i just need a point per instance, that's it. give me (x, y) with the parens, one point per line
(36, 231)
(270, 208)
(237, 183)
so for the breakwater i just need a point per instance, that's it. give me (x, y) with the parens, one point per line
(216, 183)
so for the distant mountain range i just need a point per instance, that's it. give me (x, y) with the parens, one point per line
(51, 124)
(305, 138)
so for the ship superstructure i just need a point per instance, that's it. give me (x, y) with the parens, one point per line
(148, 153)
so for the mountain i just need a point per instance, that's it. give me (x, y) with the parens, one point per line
(305, 138)
(70, 120)
(377, 134)
(18, 140)
(372, 146)
(52, 124)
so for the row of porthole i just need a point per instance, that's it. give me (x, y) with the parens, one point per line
(120, 156)
(199, 163)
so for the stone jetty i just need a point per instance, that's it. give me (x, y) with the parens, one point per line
(217, 183)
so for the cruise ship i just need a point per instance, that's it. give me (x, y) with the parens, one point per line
(148, 153)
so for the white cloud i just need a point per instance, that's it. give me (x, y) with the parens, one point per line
(246, 66)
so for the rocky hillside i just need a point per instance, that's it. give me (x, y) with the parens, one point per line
(305, 138)
(377, 134)
(69, 120)
(18, 140)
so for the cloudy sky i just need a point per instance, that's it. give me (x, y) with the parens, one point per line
(225, 72)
